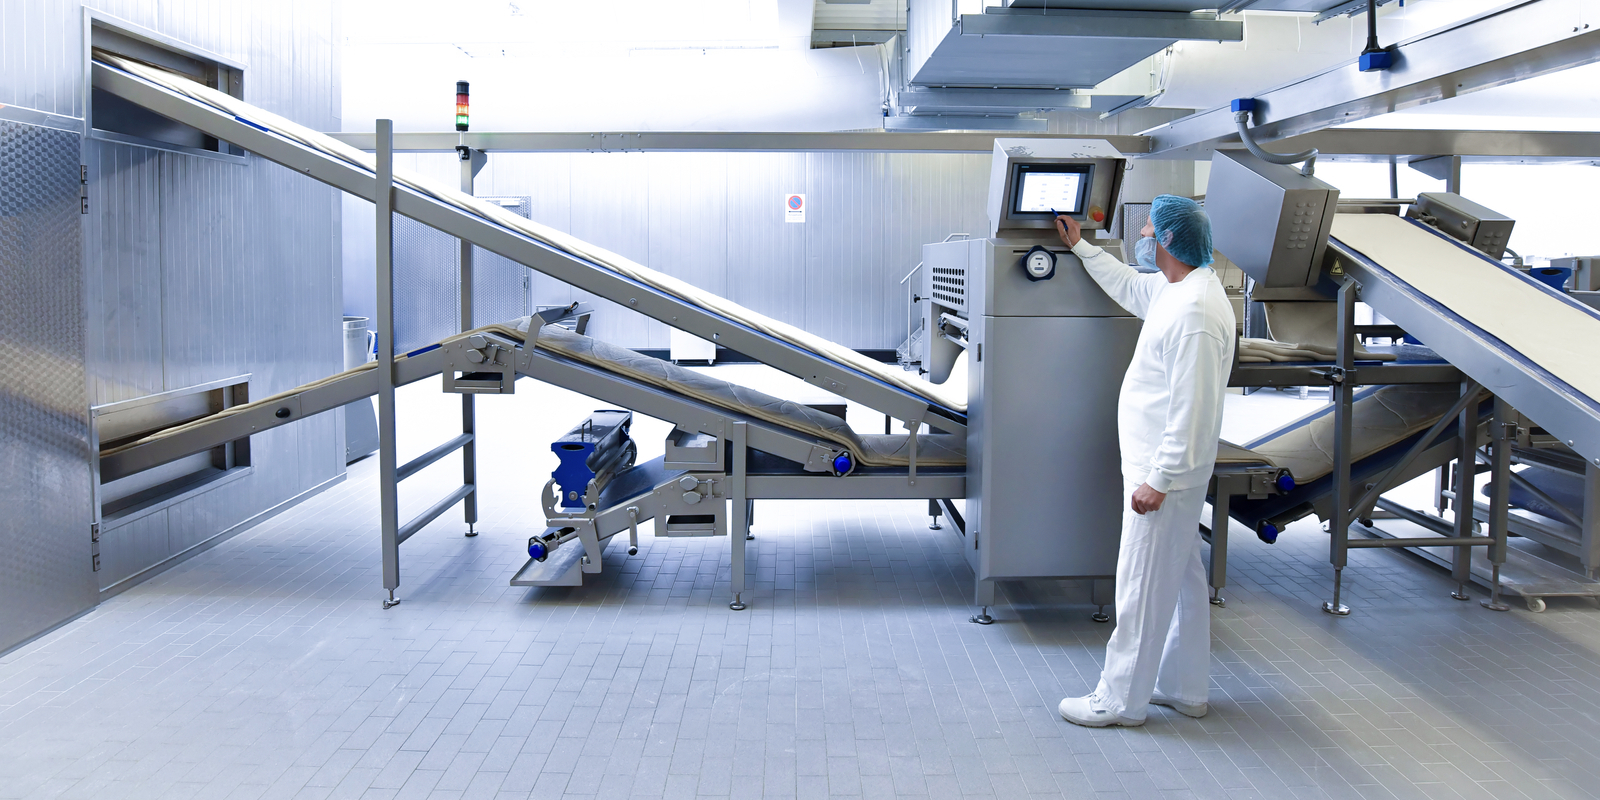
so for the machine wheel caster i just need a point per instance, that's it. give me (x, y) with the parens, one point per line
(1340, 610)
(633, 551)
(982, 617)
(1101, 616)
(736, 605)
(1536, 605)
(391, 602)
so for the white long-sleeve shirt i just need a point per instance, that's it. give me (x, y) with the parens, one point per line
(1169, 415)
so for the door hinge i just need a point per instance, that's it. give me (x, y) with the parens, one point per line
(94, 546)
(83, 188)
(975, 534)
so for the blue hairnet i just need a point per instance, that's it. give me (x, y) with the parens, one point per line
(1183, 228)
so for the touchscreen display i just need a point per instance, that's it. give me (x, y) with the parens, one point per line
(1042, 191)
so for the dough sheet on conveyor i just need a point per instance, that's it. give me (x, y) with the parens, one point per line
(933, 450)
(1531, 319)
(1380, 419)
(947, 396)
(871, 451)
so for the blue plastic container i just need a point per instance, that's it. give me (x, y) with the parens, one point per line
(1553, 277)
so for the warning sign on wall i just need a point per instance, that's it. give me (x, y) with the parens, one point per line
(794, 208)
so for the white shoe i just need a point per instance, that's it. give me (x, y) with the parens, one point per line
(1196, 710)
(1087, 711)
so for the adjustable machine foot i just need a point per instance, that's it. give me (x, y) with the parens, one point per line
(1494, 603)
(1460, 593)
(736, 605)
(982, 617)
(1218, 600)
(1335, 607)
(470, 531)
(391, 602)
(1101, 616)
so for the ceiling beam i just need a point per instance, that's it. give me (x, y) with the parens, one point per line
(801, 142)
(1492, 49)
(1514, 147)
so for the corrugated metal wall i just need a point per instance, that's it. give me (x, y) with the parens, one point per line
(199, 269)
(717, 221)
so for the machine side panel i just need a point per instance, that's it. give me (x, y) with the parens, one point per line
(47, 573)
(1007, 292)
(1050, 480)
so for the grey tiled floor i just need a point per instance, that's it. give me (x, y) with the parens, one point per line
(265, 668)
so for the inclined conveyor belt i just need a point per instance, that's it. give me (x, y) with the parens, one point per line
(899, 394)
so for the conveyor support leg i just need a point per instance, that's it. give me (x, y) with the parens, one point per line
(741, 522)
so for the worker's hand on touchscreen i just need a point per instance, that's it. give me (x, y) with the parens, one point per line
(1071, 232)
(1146, 499)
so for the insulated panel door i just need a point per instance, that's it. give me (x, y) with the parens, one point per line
(46, 572)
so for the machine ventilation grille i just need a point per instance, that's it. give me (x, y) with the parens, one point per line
(950, 286)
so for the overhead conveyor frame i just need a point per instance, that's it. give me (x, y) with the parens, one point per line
(570, 269)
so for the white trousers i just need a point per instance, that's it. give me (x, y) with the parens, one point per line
(1163, 636)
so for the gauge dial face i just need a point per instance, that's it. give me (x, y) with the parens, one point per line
(1040, 263)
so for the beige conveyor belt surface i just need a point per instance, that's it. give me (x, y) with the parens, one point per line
(1528, 318)
(933, 450)
(947, 396)
(1380, 418)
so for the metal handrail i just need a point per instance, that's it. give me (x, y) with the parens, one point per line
(909, 274)
(911, 293)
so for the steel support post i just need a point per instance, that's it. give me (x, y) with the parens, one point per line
(1466, 478)
(1499, 499)
(388, 488)
(1343, 390)
(469, 411)
(1218, 568)
(737, 495)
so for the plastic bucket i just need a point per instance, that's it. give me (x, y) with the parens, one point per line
(357, 342)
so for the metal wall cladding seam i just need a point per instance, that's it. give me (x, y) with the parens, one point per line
(122, 269)
(926, 198)
(203, 269)
(40, 65)
(426, 305)
(766, 254)
(500, 286)
(846, 197)
(610, 208)
(688, 220)
(46, 575)
(546, 180)
(206, 269)
(129, 549)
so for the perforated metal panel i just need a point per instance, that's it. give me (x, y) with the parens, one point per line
(949, 285)
(46, 574)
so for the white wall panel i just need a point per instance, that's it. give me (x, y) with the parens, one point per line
(766, 255)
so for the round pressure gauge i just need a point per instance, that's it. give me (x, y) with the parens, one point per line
(1039, 264)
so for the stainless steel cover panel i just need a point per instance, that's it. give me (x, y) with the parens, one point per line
(46, 575)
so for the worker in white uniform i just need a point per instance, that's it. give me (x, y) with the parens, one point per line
(1169, 419)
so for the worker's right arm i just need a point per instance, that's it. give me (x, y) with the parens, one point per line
(1131, 289)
